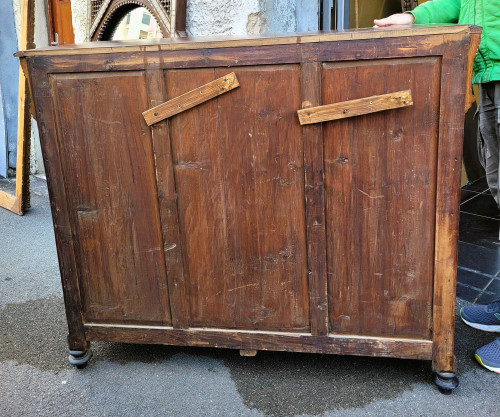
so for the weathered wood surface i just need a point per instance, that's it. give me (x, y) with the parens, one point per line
(210, 42)
(192, 98)
(232, 225)
(19, 201)
(315, 197)
(380, 180)
(254, 340)
(449, 163)
(351, 108)
(240, 186)
(113, 200)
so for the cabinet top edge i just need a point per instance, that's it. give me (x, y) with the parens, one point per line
(186, 43)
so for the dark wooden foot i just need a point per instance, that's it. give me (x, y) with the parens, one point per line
(446, 381)
(79, 358)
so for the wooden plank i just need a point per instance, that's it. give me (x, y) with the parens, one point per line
(451, 125)
(59, 207)
(315, 202)
(178, 44)
(242, 56)
(191, 99)
(255, 340)
(167, 199)
(118, 239)
(20, 201)
(241, 207)
(179, 18)
(474, 44)
(60, 22)
(380, 174)
(353, 108)
(10, 202)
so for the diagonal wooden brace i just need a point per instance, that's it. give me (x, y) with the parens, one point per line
(352, 108)
(191, 99)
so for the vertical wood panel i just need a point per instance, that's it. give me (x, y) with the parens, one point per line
(59, 208)
(380, 181)
(451, 125)
(315, 202)
(239, 175)
(108, 167)
(167, 198)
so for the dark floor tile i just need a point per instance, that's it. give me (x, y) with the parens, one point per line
(478, 258)
(486, 298)
(478, 186)
(473, 279)
(481, 231)
(467, 293)
(494, 287)
(482, 205)
(467, 195)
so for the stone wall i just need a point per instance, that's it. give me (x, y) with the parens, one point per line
(227, 17)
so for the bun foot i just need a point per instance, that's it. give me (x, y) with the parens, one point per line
(79, 358)
(446, 382)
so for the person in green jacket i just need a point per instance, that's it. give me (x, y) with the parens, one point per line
(484, 13)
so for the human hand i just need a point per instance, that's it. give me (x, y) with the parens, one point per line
(395, 19)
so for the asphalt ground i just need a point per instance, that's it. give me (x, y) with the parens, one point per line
(142, 380)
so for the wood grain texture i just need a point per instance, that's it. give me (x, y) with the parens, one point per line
(19, 202)
(475, 40)
(358, 107)
(210, 42)
(10, 202)
(254, 340)
(259, 233)
(451, 125)
(60, 210)
(192, 98)
(315, 202)
(167, 200)
(108, 167)
(241, 205)
(380, 192)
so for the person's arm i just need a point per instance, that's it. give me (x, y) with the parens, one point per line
(436, 11)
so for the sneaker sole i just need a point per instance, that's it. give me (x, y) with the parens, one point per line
(493, 328)
(491, 368)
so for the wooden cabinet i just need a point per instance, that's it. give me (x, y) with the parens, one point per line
(230, 224)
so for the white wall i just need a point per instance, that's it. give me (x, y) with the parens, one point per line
(247, 17)
(227, 17)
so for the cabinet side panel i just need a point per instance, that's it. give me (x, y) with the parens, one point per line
(240, 181)
(109, 172)
(380, 176)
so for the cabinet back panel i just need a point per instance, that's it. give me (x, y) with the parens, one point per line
(238, 163)
(380, 181)
(108, 165)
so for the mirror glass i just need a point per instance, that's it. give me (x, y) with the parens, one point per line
(137, 24)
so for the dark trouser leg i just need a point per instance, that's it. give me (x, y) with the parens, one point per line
(489, 135)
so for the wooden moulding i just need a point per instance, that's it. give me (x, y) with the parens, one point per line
(191, 99)
(353, 108)
(255, 340)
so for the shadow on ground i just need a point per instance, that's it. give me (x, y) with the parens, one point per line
(274, 383)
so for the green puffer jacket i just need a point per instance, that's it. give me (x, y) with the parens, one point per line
(484, 13)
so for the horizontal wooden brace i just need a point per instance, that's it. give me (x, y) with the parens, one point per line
(191, 99)
(262, 340)
(353, 108)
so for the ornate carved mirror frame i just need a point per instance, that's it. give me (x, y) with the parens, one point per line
(107, 14)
